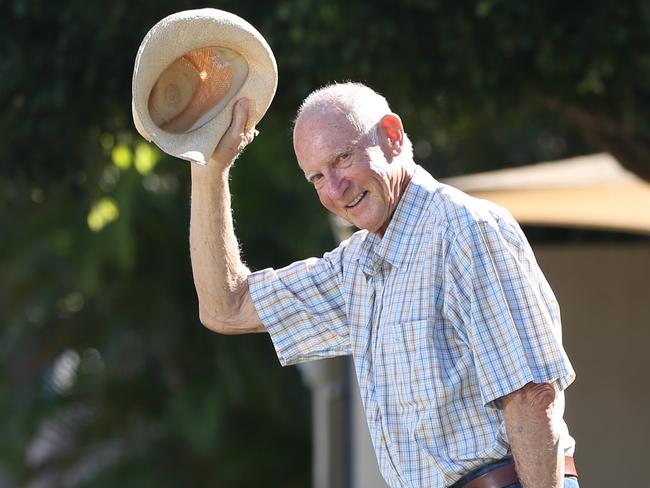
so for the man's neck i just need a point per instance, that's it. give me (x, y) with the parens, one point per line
(400, 183)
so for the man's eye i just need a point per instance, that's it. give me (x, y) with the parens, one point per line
(344, 156)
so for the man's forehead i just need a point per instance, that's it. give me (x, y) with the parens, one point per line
(324, 131)
(326, 117)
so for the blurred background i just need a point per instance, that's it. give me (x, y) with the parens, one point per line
(107, 378)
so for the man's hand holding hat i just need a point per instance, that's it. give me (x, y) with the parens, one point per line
(191, 69)
(236, 138)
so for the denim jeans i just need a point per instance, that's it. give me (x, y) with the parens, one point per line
(569, 481)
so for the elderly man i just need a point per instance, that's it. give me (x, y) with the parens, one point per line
(454, 331)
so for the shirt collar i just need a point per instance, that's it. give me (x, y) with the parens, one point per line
(402, 226)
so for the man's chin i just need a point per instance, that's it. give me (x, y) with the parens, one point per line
(360, 223)
(365, 226)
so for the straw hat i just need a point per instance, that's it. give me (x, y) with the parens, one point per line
(190, 70)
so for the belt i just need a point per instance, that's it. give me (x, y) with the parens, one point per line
(506, 475)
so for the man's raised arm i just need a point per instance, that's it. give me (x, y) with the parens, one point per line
(220, 276)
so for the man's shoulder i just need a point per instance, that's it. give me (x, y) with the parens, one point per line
(471, 221)
(457, 211)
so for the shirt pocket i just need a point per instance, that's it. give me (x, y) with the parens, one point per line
(407, 360)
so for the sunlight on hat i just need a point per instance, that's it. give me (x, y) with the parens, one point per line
(195, 88)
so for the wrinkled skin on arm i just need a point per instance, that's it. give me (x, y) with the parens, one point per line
(220, 276)
(532, 415)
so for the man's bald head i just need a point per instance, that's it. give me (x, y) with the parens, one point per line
(353, 104)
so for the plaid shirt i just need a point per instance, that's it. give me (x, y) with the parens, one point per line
(444, 315)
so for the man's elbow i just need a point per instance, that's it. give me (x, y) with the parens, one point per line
(214, 321)
(230, 323)
(230, 313)
(209, 320)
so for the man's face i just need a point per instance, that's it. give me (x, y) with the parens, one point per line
(351, 175)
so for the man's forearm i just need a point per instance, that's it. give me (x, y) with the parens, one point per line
(219, 273)
(220, 276)
(532, 416)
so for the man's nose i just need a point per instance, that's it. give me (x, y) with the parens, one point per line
(336, 185)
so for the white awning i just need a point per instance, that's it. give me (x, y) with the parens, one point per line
(589, 192)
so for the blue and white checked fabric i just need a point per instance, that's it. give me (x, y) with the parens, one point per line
(444, 315)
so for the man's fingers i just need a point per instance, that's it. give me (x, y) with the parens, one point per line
(237, 123)
(236, 137)
(246, 138)
(240, 115)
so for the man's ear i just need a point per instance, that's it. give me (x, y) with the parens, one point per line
(393, 132)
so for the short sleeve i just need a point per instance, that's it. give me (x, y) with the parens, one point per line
(303, 308)
(513, 326)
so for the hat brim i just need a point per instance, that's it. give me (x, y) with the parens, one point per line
(186, 31)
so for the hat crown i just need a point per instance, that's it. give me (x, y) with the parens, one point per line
(194, 88)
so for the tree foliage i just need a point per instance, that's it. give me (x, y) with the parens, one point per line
(106, 376)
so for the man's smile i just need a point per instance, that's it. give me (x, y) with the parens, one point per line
(356, 201)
